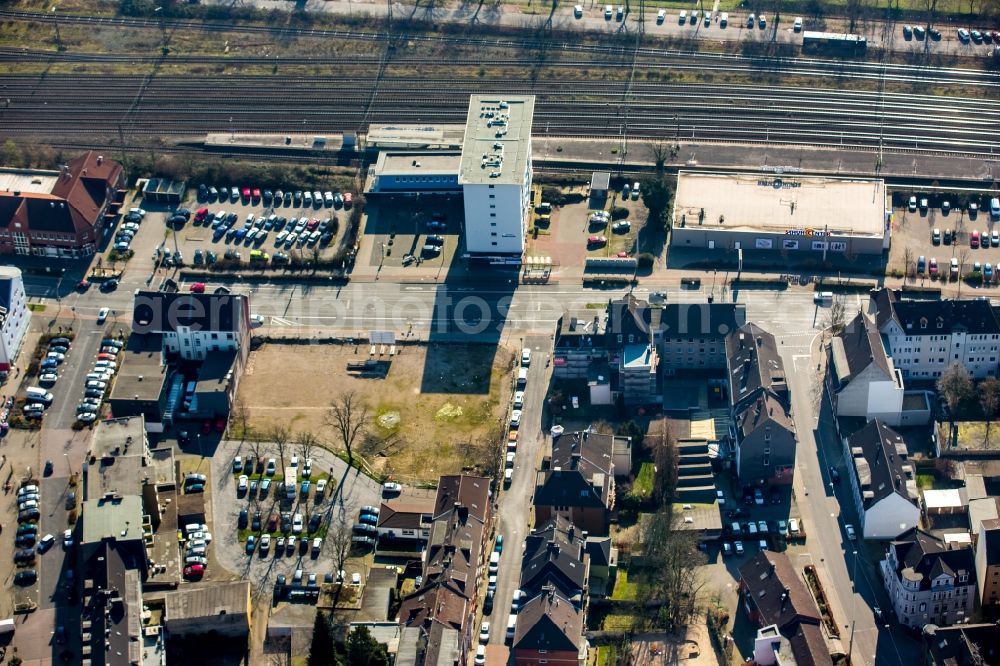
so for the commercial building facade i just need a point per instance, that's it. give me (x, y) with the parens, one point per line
(495, 174)
(796, 215)
(59, 214)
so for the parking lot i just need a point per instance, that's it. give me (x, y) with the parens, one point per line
(941, 234)
(263, 567)
(263, 230)
(576, 231)
(410, 231)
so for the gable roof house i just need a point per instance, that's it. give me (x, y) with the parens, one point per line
(549, 630)
(774, 595)
(554, 555)
(861, 379)
(762, 429)
(577, 481)
(444, 606)
(59, 214)
(924, 337)
(928, 582)
(882, 481)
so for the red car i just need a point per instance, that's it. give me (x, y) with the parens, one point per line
(83, 285)
(597, 240)
(256, 193)
(623, 255)
(246, 192)
(313, 223)
(933, 266)
(974, 239)
(201, 214)
(347, 200)
(220, 424)
(206, 426)
(194, 571)
(106, 357)
(198, 288)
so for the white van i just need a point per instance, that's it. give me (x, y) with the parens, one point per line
(36, 394)
(511, 626)
(995, 208)
(522, 378)
(93, 384)
(823, 297)
(494, 562)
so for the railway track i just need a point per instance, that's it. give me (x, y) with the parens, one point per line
(153, 105)
(178, 106)
(929, 75)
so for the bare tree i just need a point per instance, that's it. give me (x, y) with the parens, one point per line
(664, 454)
(908, 262)
(306, 443)
(669, 578)
(989, 398)
(280, 435)
(348, 416)
(660, 150)
(955, 387)
(837, 316)
(339, 537)
(240, 415)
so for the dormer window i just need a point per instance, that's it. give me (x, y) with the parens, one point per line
(962, 578)
(940, 322)
(923, 322)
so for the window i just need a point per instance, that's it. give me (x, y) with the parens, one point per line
(493, 214)
(491, 187)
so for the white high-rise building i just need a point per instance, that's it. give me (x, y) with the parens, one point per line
(495, 174)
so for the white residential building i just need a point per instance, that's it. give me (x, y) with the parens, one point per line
(924, 337)
(862, 380)
(929, 583)
(495, 174)
(14, 315)
(882, 483)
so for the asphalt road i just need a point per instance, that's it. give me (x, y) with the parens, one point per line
(514, 512)
(849, 579)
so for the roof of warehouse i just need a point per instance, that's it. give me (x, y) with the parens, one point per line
(791, 204)
(497, 121)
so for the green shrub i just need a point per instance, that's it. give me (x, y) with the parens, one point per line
(645, 261)
(619, 213)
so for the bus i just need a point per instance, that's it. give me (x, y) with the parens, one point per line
(835, 43)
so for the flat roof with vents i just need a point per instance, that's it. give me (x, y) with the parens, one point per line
(497, 144)
(784, 203)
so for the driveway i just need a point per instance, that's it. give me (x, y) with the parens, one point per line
(514, 514)
(352, 488)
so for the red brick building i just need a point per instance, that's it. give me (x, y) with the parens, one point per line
(59, 214)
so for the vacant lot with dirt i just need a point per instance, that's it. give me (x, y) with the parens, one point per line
(430, 414)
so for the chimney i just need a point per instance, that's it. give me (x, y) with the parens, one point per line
(746, 366)
(553, 548)
(574, 460)
(741, 341)
(770, 569)
(100, 158)
(784, 599)
(760, 341)
(570, 532)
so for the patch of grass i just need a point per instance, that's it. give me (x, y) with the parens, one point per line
(606, 655)
(37, 307)
(643, 485)
(925, 481)
(625, 590)
(618, 622)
